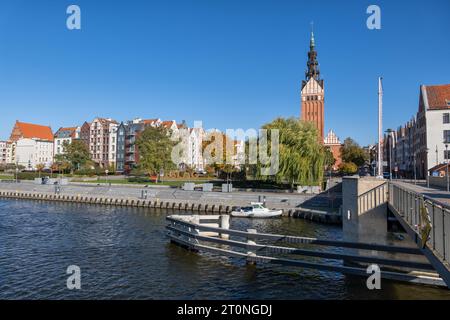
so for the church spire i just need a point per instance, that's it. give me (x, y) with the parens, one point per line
(312, 43)
(312, 64)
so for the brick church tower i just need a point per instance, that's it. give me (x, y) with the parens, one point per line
(312, 93)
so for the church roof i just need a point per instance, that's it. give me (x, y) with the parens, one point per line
(30, 131)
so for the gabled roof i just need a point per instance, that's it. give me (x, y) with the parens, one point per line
(69, 132)
(168, 124)
(438, 96)
(30, 131)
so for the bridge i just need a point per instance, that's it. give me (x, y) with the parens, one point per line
(368, 207)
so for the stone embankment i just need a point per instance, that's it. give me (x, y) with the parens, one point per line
(165, 198)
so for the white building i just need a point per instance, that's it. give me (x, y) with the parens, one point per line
(432, 128)
(3, 151)
(31, 152)
(31, 144)
(64, 135)
(10, 152)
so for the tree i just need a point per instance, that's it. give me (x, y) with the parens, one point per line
(217, 146)
(155, 149)
(76, 156)
(329, 159)
(301, 155)
(352, 152)
(348, 168)
(39, 168)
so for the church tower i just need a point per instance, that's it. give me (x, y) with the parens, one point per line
(312, 93)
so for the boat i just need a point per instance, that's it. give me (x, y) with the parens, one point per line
(255, 210)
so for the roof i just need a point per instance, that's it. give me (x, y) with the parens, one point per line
(66, 132)
(438, 168)
(168, 124)
(150, 121)
(30, 131)
(438, 96)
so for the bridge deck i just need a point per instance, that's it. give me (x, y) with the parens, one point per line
(406, 201)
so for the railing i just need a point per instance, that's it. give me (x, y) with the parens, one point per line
(409, 204)
(373, 198)
(212, 234)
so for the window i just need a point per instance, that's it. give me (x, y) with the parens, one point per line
(447, 136)
(446, 154)
(446, 118)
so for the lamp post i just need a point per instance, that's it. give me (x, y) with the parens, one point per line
(389, 132)
(427, 175)
(446, 162)
(415, 174)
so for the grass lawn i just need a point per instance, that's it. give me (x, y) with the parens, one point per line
(6, 177)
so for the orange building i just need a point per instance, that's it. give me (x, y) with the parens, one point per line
(312, 93)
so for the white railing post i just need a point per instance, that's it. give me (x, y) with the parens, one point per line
(251, 253)
(224, 223)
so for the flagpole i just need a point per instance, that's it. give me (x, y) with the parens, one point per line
(380, 127)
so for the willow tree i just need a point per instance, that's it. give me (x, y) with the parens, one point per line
(301, 155)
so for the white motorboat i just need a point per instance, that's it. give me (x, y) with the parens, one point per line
(255, 210)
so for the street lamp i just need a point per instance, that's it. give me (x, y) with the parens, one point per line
(427, 176)
(389, 132)
(446, 162)
(415, 174)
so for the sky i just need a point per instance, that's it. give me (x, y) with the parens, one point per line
(228, 63)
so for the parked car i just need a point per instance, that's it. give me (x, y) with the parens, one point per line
(386, 175)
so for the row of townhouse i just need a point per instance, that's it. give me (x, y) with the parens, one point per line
(111, 144)
(424, 141)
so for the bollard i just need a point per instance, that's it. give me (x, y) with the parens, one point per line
(224, 223)
(250, 252)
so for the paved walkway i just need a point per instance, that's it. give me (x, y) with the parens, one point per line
(275, 200)
(432, 192)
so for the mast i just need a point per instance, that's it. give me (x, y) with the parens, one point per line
(380, 127)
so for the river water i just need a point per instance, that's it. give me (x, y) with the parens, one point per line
(123, 253)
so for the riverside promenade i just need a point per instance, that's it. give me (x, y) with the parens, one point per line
(164, 197)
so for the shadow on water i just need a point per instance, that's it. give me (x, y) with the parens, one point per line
(123, 253)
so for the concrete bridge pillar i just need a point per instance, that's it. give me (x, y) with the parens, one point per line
(364, 210)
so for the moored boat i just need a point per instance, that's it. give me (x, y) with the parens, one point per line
(255, 210)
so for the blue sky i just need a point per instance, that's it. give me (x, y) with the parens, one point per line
(231, 64)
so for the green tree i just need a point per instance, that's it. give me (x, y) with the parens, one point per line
(352, 152)
(301, 155)
(155, 149)
(348, 168)
(76, 156)
(329, 159)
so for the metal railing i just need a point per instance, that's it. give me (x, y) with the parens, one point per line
(409, 204)
(211, 233)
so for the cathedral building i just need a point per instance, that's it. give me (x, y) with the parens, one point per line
(312, 94)
(313, 103)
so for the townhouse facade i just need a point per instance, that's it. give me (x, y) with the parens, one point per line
(424, 141)
(102, 142)
(62, 136)
(127, 157)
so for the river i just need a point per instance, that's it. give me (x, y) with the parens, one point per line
(123, 253)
